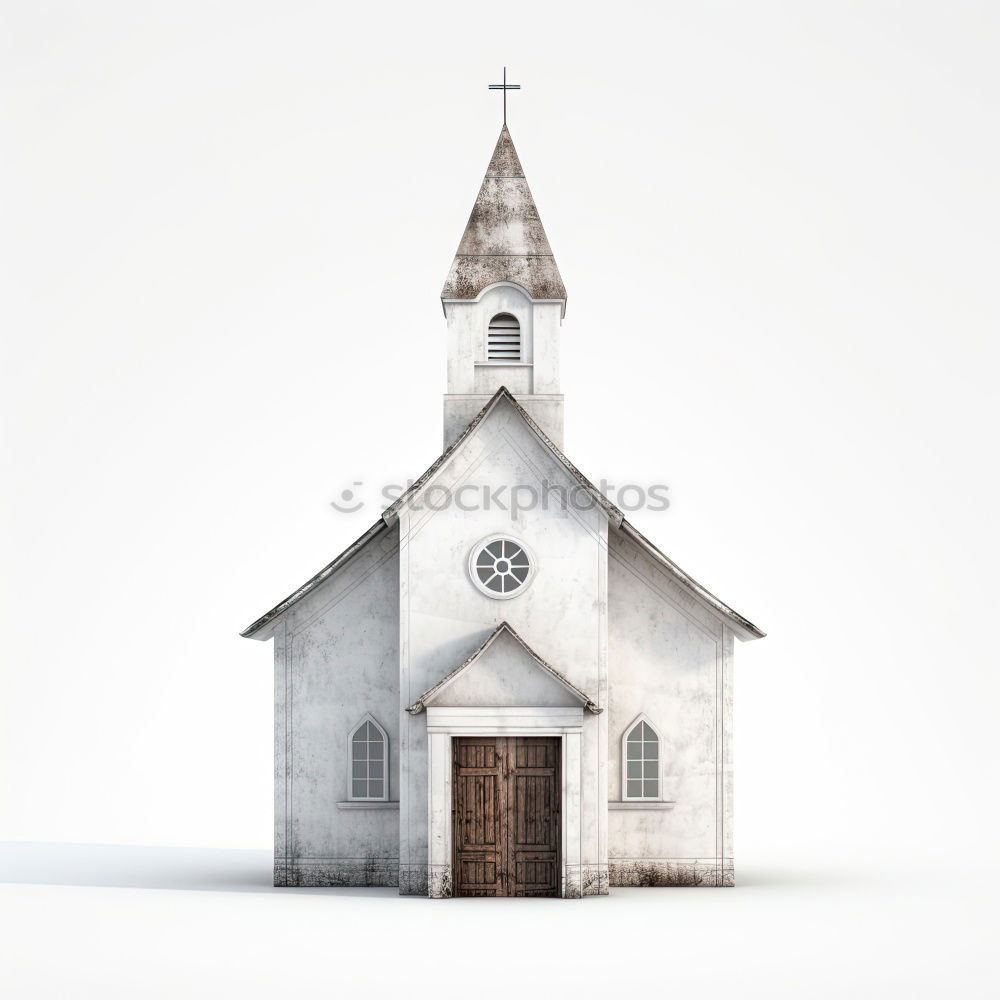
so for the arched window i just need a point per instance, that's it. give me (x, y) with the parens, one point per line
(503, 340)
(368, 756)
(641, 761)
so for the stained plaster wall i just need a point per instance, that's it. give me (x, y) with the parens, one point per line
(670, 658)
(337, 658)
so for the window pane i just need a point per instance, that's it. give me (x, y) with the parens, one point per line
(649, 789)
(501, 568)
(634, 751)
(359, 791)
(652, 751)
(636, 733)
(375, 769)
(358, 770)
(647, 732)
(360, 749)
(634, 769)
(375, 751)
(375, 789)
(634, 789)
(650, 769)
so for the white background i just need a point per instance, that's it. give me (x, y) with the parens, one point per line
(224, 231)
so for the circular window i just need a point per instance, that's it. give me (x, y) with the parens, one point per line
(500, 567)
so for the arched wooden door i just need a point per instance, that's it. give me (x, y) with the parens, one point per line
(506, 813)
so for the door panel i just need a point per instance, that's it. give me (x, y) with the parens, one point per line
(478, 785)
(534, 833)
(506, 814)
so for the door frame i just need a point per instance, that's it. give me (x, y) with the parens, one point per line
(445, 723)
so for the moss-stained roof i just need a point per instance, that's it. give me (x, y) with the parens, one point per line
(504, 239)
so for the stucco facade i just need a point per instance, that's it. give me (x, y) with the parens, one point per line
(503, 598)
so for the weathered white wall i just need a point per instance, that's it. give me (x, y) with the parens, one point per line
(670, 659)
(546, 321)
(444, 617)
(336, 659)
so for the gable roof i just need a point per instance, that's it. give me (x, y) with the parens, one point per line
(504, 239)
(504, 628)
(743, 628)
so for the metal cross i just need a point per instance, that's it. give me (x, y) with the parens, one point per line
(505, 86)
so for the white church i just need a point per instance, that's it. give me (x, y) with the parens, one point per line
(473, 703)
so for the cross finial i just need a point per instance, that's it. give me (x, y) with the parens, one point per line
(505, 86)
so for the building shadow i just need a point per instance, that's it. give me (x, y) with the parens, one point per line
(211, 869)
(128, 866)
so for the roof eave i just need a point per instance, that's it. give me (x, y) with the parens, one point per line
(744, 629)
(263, 627)
(447, 300)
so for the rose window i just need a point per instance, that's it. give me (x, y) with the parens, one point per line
(500, 567)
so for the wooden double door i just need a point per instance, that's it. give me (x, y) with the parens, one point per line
(507, 815)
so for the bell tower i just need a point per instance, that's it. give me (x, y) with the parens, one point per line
(504, 301)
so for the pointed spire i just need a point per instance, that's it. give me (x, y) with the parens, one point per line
(504, 239)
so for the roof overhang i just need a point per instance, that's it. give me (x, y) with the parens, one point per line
(260, 628)
(745, 630)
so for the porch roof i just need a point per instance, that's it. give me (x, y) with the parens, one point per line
(504, 628)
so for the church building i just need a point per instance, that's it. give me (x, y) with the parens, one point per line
(522, 697)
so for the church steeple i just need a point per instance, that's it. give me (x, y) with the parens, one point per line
(504, 239)
(504, 300)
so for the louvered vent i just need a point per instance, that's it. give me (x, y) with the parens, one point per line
(504, 339)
